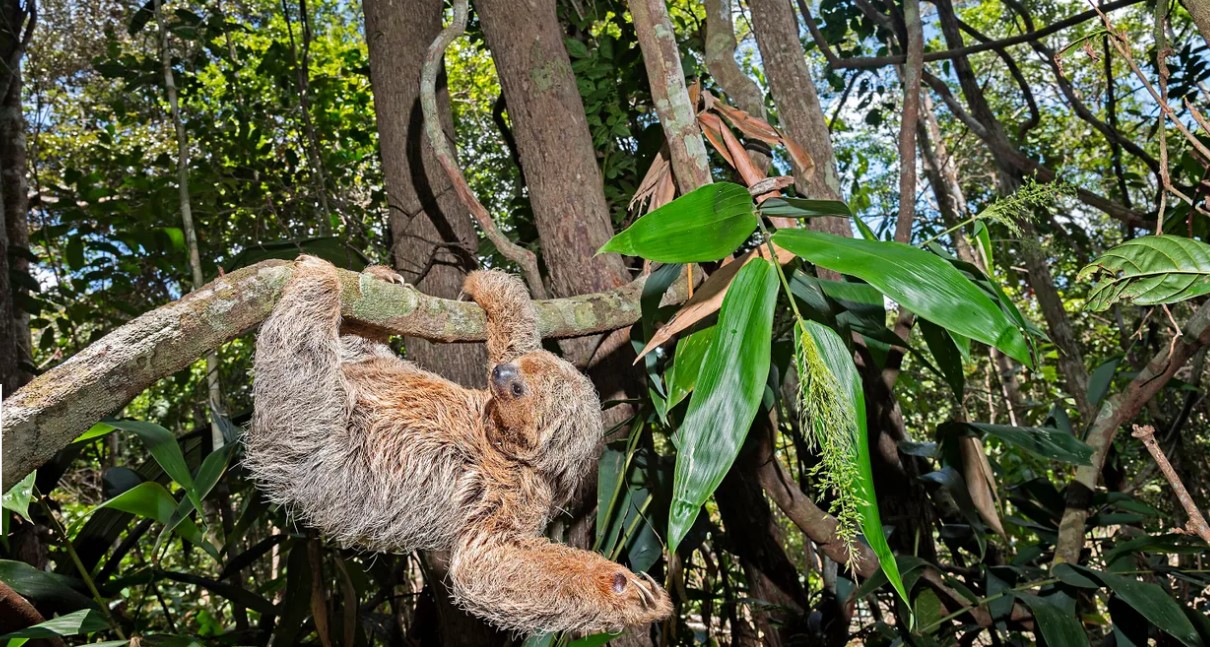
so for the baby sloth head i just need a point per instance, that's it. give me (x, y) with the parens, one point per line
(546, 414)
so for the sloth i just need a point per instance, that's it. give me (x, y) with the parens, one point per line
(378, 454)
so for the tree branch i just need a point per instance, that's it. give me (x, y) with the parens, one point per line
(57, 406)
(524, 258)
(1114, 413)
(866, 62)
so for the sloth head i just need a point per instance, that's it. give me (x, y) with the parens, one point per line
(546, 414)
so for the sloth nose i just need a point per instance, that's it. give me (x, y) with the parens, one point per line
(503, 374)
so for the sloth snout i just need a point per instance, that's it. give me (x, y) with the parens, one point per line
(504, 378)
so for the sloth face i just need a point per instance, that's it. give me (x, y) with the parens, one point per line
(546, 413)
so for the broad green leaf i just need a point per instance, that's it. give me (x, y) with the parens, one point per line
(208, 474)
(839, 360)
(65, 593)
(947, 354)
(984, 239)
(804, 208)
(686, 364)
(152, 501)
(94, 432)
(728, 393)
(595, 640)
(1151, 601)
(85, 621)
(1059, 626)
(1101, 379)
(703, 225)
(1149, 271)
(167, 452)
(919, 281)
(17, 499)
(1052, 444)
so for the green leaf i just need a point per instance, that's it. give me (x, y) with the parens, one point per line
(839, 360)
(1149, 271)
(1151, 601)
(167, 452)
(85, 621)
(920, 281)
(94, 432)
(804, 208)
(1053, 444)
(704, 225)
(728, 394)
(64, 593)
(595, 640)
(1101, 379)
(947, 354)
(152, 501)
(17, 499)
(687, 364)
(1059, 626)
(984, 239)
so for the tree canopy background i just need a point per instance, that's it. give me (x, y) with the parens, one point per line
(989, 223)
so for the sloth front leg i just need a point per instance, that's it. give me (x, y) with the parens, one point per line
(532, 585)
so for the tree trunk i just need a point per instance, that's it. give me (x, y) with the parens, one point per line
(433, 241)
(798, 107)
(662, 58)
(565, 186)
(16, 356)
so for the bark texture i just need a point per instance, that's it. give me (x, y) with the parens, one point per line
(16, 356)
(45, 415)
(433, 242)
(798, 106)
(662, 59)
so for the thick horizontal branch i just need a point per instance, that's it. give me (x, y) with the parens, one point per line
(48, 413)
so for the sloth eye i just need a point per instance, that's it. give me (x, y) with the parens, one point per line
(518, 389)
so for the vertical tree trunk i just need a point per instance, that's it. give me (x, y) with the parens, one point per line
(662, 58)
(798, 107)
(565, 185)
(16, 356)
(720, 60)
(556, 150)
(433, 241)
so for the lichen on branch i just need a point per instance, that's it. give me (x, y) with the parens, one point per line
(48, 413)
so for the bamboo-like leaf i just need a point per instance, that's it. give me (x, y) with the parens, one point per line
(1149, 271)
(85, 621)
(837, 358)
(167, 452)
(704, 225)
(1059, 626)
(1053, 444)
(709, 296)
(804, 208)
(921, 282)
(727, 396)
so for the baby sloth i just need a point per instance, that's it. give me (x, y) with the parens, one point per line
(376, 453)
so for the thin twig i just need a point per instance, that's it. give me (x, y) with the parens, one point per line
(213, 386)
(1197, 522)
(524, 258)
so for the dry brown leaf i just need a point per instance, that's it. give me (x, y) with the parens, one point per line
(713, 129)
(708, 297)
(738, 157)
(802, 160)
(747, 124)
(980, 481)
(660, 170)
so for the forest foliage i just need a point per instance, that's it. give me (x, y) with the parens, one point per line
(876, 419)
